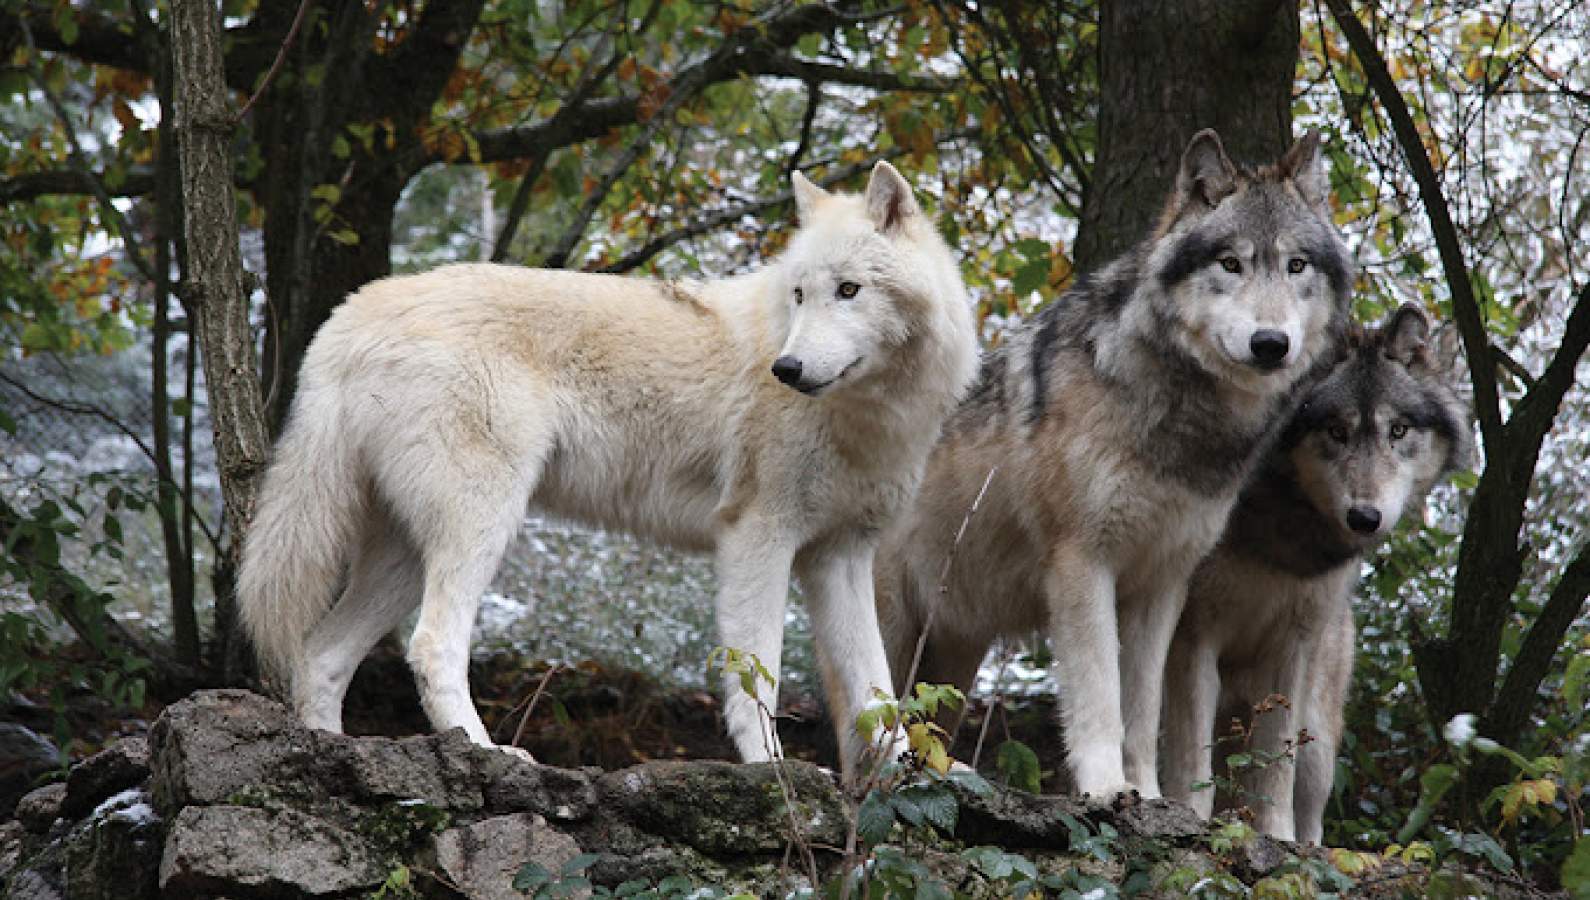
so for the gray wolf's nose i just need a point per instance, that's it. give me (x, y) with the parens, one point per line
(1363, 519)
(1269, 347)
(787, 369)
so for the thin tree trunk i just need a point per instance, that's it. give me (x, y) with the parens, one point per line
(1168, 70)
(217, 292)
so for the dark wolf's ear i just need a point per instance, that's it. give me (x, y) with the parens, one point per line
(1206, 172)
(889, 198)
(1405, 334)
(807, 195)
(1304, 166)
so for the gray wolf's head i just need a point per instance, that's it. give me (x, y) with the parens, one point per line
(1375, 434)
(861, 279)
(1252, 273)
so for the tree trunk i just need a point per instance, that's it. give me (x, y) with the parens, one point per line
(1169, 69)
(217, 292)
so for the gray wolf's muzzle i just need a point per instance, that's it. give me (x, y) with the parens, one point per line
(1363, 519)
(1269, 348)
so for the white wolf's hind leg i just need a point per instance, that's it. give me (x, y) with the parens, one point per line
(753, 585)
(384, 584)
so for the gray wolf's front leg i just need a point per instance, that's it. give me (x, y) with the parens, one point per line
(1082, 630)
(753, 584)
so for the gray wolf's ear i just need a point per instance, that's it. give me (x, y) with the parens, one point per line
(1206, 172)
(889, 198)
(1304, 166)
(807, 195)
(1405, 334)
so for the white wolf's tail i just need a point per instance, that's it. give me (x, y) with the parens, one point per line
(295, 550)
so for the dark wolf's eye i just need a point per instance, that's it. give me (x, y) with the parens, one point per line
(1296, 265)
(1399, 430)
(848, 289)
(1338, 433)
(1231, 264)
(799, 295)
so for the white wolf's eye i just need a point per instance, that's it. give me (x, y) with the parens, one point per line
(848, 289)
(1338, 433)
(1399, 431)
(1231, 264)
(1296, 265)
(799, 295)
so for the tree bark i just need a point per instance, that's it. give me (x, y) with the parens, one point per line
(217, 292)
(1168, 70)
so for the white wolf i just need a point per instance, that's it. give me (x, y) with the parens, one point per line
(1124, 419)
(433, 409)
(1270, 611)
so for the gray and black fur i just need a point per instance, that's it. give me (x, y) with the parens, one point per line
(1270, 611)
(1123, 420)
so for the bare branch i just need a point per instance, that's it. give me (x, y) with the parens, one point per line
(281, 56)
(1541, 644)
(139, 180)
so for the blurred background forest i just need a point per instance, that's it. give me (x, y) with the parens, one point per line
(657, 138)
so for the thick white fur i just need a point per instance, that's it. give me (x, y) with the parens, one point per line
(434, 408)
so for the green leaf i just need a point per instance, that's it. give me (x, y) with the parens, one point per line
(874, 818)
(326, 193)
(1433, 785)
(1032, 275)
(1018, 765)
(936, 804)
(1576, 871)
(579, 864)
(531, 875)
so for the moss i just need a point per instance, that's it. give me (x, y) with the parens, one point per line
(394, 827)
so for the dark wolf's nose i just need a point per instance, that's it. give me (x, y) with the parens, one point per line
(1269, 347)
(787, 369)
(1363, 519)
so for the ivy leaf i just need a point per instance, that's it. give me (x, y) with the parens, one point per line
(1018, 765)
(874, 819)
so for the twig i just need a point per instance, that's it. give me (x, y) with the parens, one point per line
(530, 706)
(281, 55)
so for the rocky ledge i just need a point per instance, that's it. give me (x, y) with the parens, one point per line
(230, 797)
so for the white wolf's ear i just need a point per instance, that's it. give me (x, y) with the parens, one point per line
(1405, 334)
(1304, 166)
(889, 198)
(807, 196)
(1206, 172)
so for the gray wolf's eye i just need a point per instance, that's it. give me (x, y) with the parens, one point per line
(1399, 431)
(848, 289)
(1296, 265)
(1338, 433)
(1231, 264)
(799, 295)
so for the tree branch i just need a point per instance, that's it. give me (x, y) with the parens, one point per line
(1465, 307)
(639, 256)
(140, 180)
(1533, 415)
(1516, 698)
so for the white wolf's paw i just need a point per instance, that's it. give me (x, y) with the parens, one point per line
(1117, 796)
(520, 752)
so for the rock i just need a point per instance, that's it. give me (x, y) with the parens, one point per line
(229, 851)
(564, 795)
(38, 809)
(725, 808)
(115, 855)
(1258, 856)
(114, 769)
(1163, 819)
(11, 841)
(481, 860)
(23, 756)
(216, 744)
(443, 770)
(1013, 819)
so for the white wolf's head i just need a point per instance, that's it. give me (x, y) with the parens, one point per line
(1251, 265)
(859, 280)
(1372, 437)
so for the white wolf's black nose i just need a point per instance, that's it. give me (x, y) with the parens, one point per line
(1269, 347)
(788, 370)
(1363, 519)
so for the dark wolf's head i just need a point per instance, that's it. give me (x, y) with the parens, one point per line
(1251, 270)
(1372, 437)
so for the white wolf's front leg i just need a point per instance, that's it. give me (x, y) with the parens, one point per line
(1081, 594)
(753, 584)
(837, 581)
(1147, 625)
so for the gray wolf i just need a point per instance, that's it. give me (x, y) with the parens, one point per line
(1124, 419)
(779, 420)
(1270, 611)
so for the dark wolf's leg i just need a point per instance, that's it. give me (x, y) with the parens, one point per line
(1192, 691)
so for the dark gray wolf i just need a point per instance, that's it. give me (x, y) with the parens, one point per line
(779, 420)
(1124, 420)
(1270, 611)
